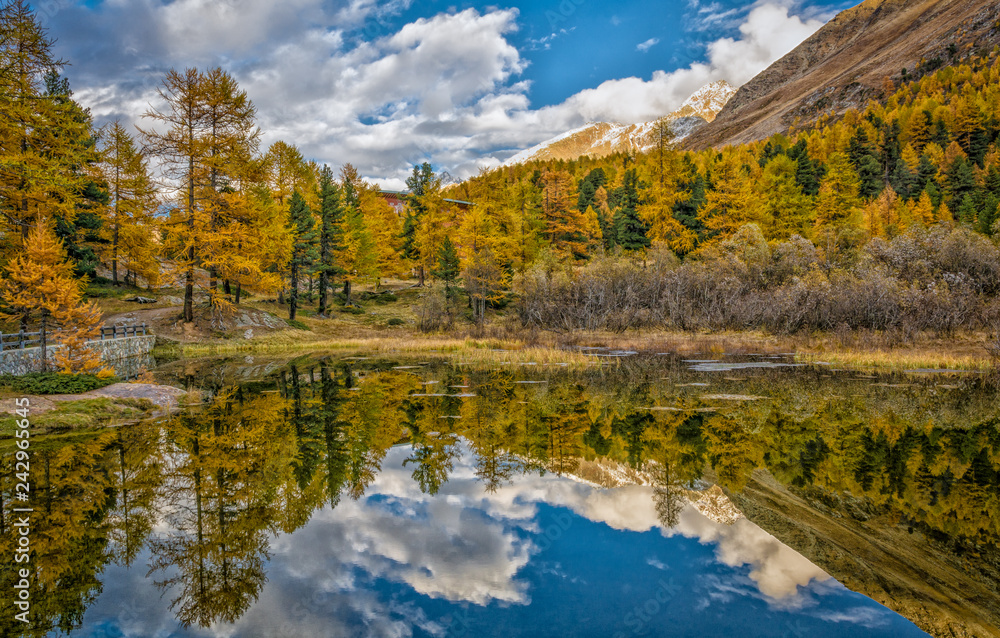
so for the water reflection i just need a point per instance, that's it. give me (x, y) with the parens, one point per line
(394, 501)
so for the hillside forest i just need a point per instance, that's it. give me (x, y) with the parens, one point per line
(883, 219)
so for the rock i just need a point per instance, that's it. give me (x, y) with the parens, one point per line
(163, 396)
(142, 300)
(172, 301)
(248, 334)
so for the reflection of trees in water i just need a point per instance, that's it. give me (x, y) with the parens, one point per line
(135, 477)
(219, 491)
(70, 495)
(668, 496)
(264, 456)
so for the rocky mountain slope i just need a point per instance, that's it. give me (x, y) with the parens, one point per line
(847, 62)
(599, 139)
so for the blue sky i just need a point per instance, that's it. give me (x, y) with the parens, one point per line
(464, 85)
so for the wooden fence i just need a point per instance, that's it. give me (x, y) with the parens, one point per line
(21, 340)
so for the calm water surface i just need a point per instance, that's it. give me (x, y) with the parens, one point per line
(361, 497)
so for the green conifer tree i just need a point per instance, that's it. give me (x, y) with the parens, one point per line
(331, 235)
(301, 226)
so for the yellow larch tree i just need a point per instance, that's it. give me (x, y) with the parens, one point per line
(732, 202)
(838, 203)
(359, 255)
(788, 211)
(40, 133)
(129, 219)
(38, 285)
(179, 143)
(232, 141)
(564, 224)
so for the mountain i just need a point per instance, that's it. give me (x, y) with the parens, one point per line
(599, 139)
(847, 63)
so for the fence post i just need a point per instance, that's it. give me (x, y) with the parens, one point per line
(1, 342)
(21, 335)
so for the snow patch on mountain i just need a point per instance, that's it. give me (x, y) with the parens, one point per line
(599, 139)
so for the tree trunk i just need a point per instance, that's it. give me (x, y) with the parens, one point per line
(189, 292)
(293, 293)
(239, 289)
(44, 341)
(114, 258)
(347, 292)
(324, 283)
(227, 287)
(421, 274)
(189, 275)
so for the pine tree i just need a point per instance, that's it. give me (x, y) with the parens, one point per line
(865, 162)
(301, 228)
(331, 235)
(807, 173)
(959, 181)
(81, 232)
(447, 270)
(630, 229)
(686, 210)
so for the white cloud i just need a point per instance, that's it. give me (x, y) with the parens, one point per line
(768, 33)
(647, 45)
(445, 89)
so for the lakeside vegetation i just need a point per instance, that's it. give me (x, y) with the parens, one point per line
(882, 224)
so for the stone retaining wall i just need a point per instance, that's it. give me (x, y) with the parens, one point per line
(117, 353)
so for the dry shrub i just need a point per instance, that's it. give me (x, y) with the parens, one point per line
(940, 280)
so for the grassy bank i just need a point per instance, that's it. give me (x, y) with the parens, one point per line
(65, 416)
(496, 346)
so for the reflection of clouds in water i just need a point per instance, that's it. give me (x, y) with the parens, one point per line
(777, 569)
(461, 547)
(464, 546)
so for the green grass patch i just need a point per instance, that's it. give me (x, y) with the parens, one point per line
(298, 325)
(54, 383)
(81, 414)
(351, 310)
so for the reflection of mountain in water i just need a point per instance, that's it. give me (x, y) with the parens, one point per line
(891, 490)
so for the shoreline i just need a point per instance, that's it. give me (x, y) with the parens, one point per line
(965, 353)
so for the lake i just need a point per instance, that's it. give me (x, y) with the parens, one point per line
(640, 496)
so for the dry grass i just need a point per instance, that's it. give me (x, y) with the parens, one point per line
(462, 350)
(898, 360)
(498, 346)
